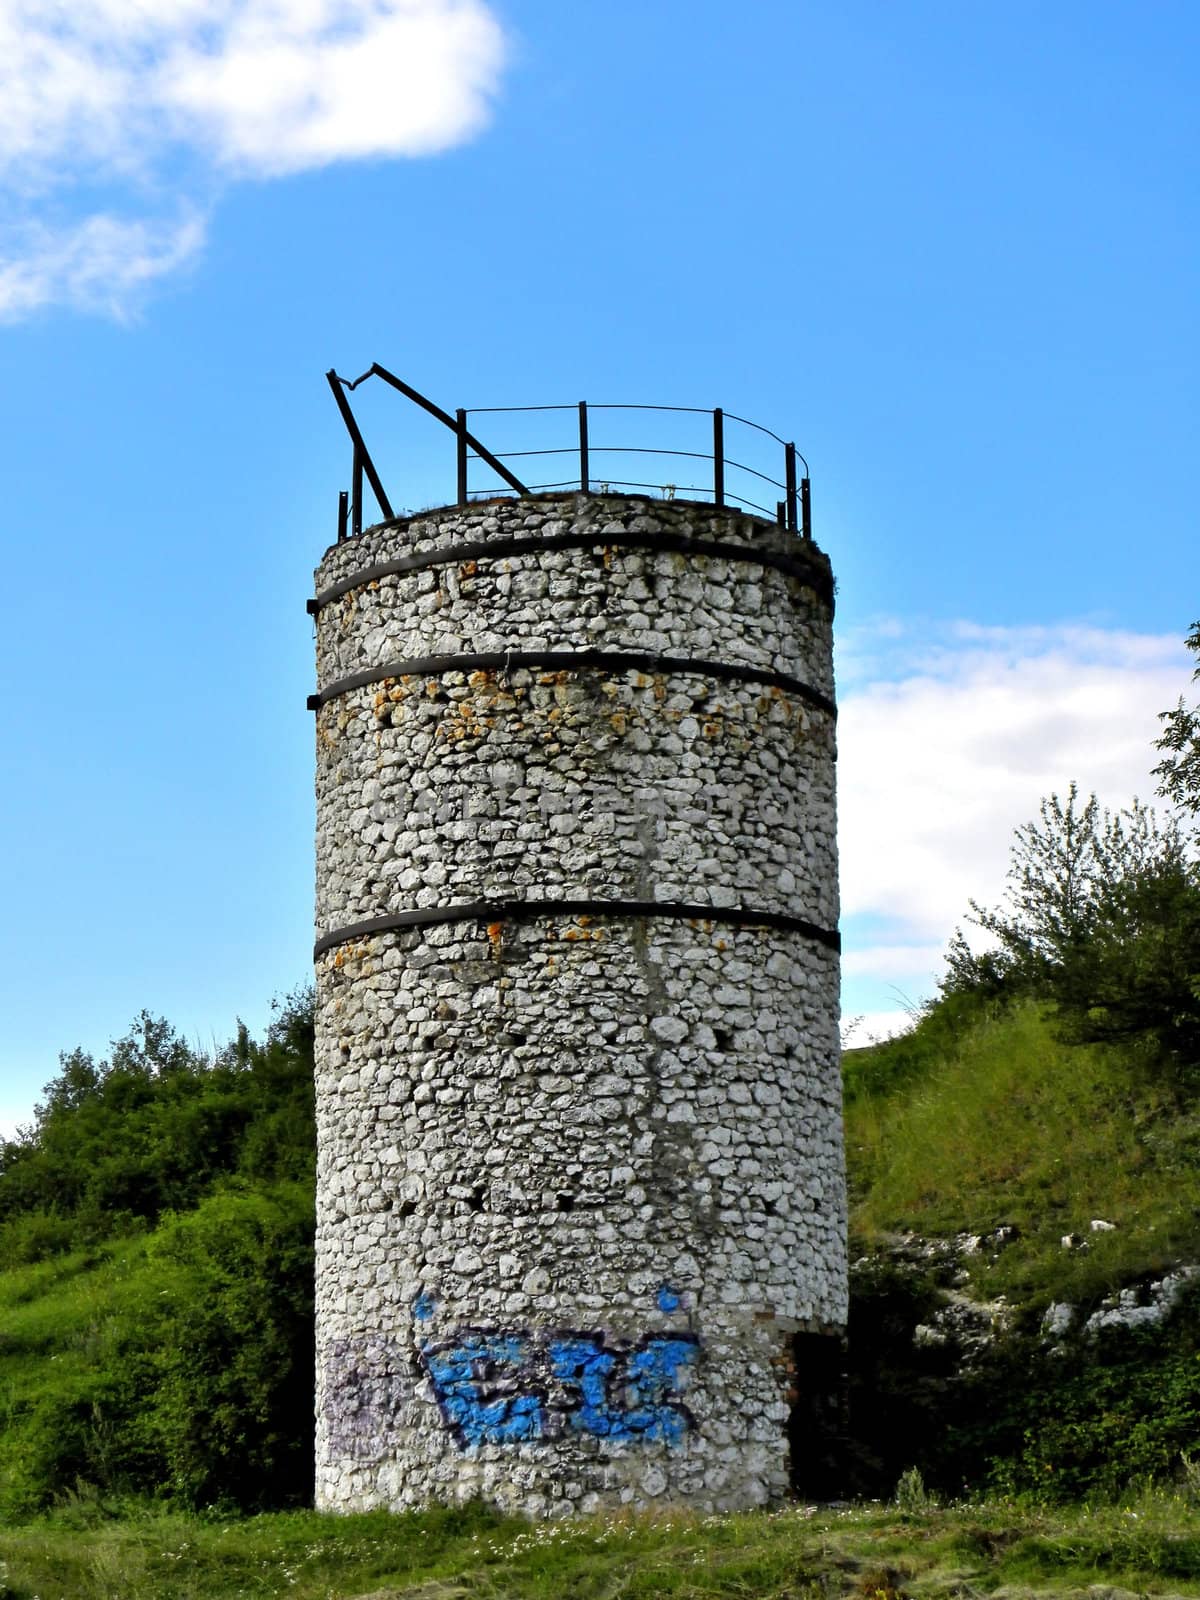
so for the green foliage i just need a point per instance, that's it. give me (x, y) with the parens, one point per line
(177, 1366)
(1102, 916)
(1179, 771)
(880, 1070)
(156, 1308)
(911, 1495)
(998, 1121)
(117, 1143)
(1006, 1123)
(1102, 913)
(231, 1410)
(1138, 976)
(1100, 1417)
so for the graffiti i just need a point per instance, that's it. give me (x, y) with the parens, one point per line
(364, 1389)
(625, 1394)
(503, 1388)
(424, 1306)
(480, 1384)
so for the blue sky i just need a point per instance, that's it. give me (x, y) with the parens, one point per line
(950, 249)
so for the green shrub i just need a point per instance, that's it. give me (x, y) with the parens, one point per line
(117, 1143)
(1105, 1416)
(232, 1406)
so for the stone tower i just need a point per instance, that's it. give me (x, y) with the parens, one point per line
(581, 1217)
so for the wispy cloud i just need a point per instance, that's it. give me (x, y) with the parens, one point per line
(949, 735)
(124, 95)
(100, 264)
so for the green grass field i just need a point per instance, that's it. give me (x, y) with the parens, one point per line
(1151, 1546)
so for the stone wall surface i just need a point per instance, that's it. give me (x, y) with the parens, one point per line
(580, 1174)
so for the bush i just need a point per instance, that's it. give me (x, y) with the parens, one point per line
(1107, 1415)
(1102, 917)
(117, 1143)
(232, 1408)
(180, 1365)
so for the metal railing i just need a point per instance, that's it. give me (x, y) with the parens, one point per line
(793, 511)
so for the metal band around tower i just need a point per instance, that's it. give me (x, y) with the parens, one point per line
(496, 549)
(528, 910)
(573, 661)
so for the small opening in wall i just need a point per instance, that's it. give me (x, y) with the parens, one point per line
(406, 1208)
(723, 1037)
(816, 1426)
(564, 1202)
(478, 1200)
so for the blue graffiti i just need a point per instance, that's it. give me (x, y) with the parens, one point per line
(668, 1299)
(581, 1362)
(502, 1388)
(478, 1385)
(652, 1375)
(424, 1306)
(634, 1403)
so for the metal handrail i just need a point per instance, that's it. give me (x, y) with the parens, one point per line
(793, 511)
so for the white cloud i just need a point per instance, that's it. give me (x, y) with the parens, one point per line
(949, 736)
(895, 962)
(872, 1027)
(127, 92)
(99, 265)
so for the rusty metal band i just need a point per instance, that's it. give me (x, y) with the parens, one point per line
(494, 549)
(613, 661)
(488, 911)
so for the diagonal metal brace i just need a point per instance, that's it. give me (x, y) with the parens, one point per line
(360, 450)
(484, 454)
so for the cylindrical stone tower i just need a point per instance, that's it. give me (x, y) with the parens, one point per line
(581, 1215)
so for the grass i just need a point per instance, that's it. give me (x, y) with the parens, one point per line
(1000, 1122)
(1150, 1546)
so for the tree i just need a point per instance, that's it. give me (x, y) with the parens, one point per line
(155, 1128)
(1102, 917)
(1179, 771)
(1064, 872)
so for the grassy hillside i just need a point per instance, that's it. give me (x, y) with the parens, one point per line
(989, 1138)
(156, 1276)
(176, 1364)
(984, 1118)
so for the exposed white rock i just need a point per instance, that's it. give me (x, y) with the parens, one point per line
(1133, 1308)
(1057, 1319)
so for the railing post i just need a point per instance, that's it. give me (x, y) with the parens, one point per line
(805, 509)
(461, 424)
(718, 456)
(356, 493)
(789, 452)
(781, 513)
(585, 474)
(343, 514)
